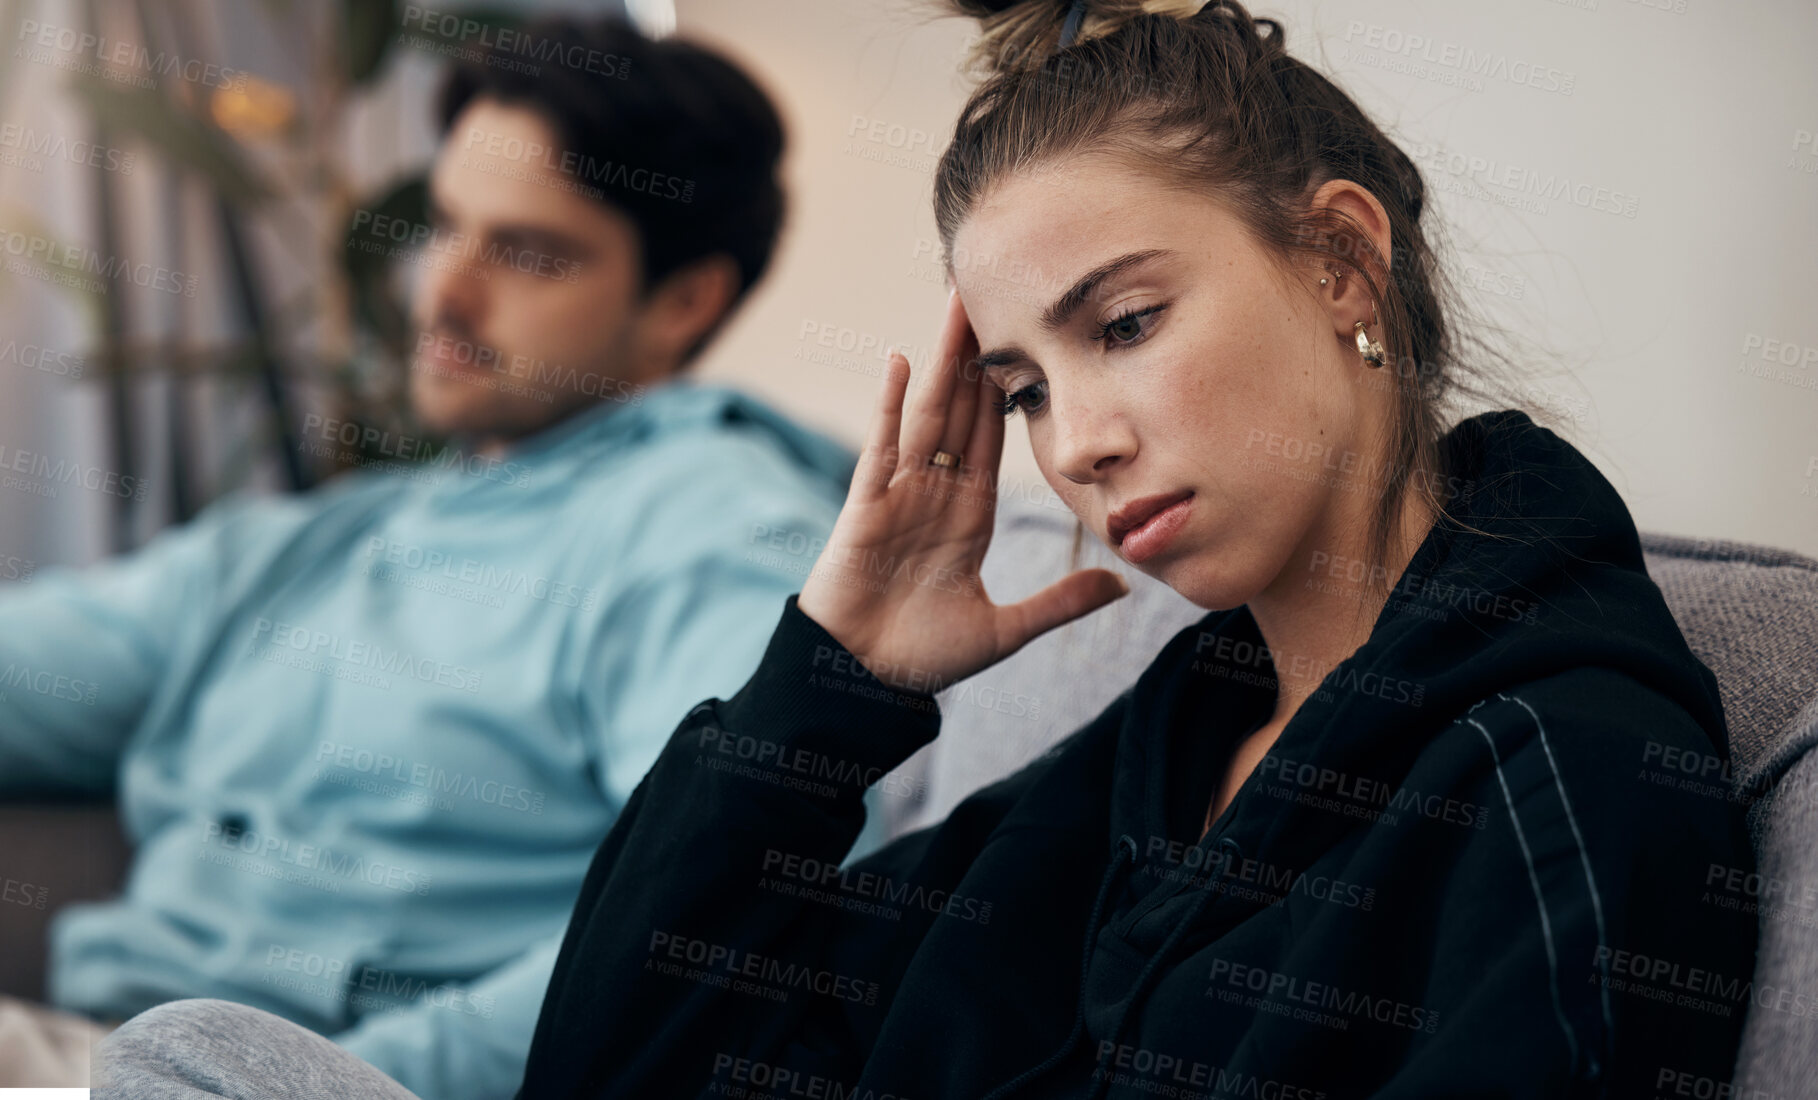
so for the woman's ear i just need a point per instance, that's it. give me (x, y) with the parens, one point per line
(1359, 230)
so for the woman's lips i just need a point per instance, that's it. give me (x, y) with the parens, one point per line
(1150, 539)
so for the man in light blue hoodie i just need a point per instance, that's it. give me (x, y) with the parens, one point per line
(367, 739)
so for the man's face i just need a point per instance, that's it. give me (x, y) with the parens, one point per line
(527, 305)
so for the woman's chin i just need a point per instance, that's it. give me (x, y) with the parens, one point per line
(1205, 584)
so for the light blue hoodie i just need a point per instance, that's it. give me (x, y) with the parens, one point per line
(367, 739)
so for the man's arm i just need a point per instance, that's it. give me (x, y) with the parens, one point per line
(463, 1040)
(83, 650)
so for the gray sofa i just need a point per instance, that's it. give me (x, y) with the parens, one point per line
(1750, 613)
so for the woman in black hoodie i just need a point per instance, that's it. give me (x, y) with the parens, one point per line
(1385, 823)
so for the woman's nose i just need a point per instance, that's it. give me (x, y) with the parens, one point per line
(1087, 436)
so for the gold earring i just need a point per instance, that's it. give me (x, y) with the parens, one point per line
(1368, 348)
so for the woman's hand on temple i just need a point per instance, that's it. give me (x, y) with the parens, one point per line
(898, 581)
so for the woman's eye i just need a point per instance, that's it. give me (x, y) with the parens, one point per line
(1021, 398)
(1128, 328)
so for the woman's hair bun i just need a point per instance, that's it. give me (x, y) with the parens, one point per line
(1021, 34)
(980, 9)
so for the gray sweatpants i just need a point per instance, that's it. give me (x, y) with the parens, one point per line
(189, 1050)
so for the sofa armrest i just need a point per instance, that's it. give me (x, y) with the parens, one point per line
(51, 855)
(1780, 1049)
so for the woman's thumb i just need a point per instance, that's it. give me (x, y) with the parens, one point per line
(1069, 598)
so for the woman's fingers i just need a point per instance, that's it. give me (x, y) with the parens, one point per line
(931, 401)
(985, 442)
(877, 462)
(1074, 595)
(961, 410)
(912, 418)
(963, 349)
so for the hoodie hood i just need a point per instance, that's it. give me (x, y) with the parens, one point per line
(680, 405)
(1535, 568)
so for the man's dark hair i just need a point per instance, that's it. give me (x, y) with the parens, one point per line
(671, 135)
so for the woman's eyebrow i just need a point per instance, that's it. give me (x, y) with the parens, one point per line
(1000, 357)
(1057, 315)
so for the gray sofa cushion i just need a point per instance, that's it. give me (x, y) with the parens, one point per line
(1749, 612)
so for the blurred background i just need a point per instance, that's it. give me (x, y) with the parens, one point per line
(1630, 186)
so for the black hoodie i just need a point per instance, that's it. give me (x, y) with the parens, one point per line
(1471, 865)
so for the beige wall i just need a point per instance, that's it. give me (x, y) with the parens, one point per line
(1693, 125)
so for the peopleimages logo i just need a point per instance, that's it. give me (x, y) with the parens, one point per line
(719, 963)
(33, 148)
(750, 1079)
(14, 892)
(272, 637)
(50, 684)
(1273, 990)
(407, 455)
(74, 259)
(1463, 59)
(472, 571)
(13, 568)
(1234, 658)
(376, 232)
(1673, 982)
(268, 850)
(35, 357)
(1518, 181)
(793, 766)
(365, 986)
(382, 765)
(573, 169)
(475, 35)
(36, 39)
(871, 886)
(1256, 879)
(1328, 788)
(43, 477)
(1163, 1074)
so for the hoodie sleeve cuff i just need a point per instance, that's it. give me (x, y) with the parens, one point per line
(812, 707)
